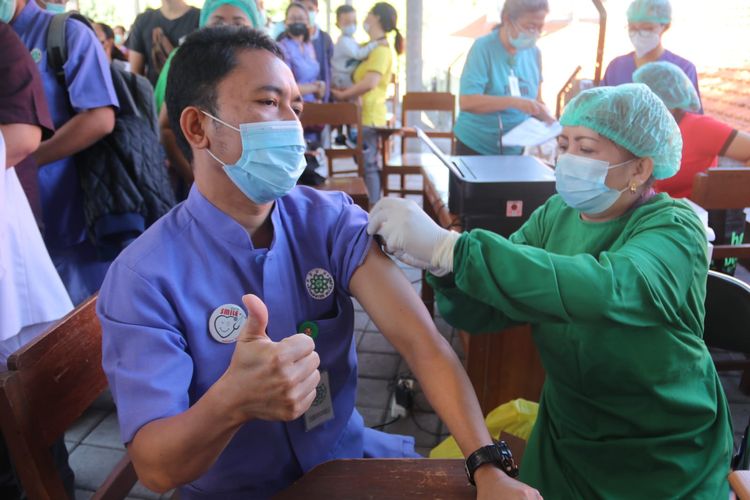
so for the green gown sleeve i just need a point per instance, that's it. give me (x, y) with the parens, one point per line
(468, 313)
(643, 282)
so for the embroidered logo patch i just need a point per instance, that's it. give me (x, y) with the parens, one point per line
(36, 55)
(319, 283)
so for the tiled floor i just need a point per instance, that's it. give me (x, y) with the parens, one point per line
(95, 445)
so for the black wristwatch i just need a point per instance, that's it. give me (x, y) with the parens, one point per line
(497, 454)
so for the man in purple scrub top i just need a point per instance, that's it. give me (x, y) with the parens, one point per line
(648, 20)
(83, 112)
(228, 325)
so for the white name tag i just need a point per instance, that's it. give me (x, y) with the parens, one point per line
(321, 410)
(515, 88)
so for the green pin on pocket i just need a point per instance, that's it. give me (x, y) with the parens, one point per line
(309, 328)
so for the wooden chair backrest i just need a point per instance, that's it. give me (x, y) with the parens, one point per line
(428, 101)
(334, 114)
(337, 114)
(49, 385)
(722, 188)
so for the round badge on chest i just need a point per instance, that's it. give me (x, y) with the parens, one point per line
(225, 323)
(319, 283)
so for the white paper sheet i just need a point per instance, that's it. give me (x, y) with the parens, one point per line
(532, 132)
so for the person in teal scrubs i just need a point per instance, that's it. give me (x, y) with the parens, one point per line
(612, 278)
(501, 81)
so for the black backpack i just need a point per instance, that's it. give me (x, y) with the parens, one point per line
(123, 176)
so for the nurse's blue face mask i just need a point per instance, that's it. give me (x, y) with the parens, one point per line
(273, 158)
(580, 183)
(525, 39)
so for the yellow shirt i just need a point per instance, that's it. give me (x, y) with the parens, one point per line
(373, 102)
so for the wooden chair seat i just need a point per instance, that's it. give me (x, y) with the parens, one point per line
(50, 383)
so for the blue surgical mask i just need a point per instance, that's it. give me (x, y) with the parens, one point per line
(349, 30)
(273, 158)
(580, 183)
(524, 40)
(7, 9)
(55, 8)
(313, 17)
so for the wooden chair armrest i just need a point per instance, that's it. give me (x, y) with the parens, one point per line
(119, 482)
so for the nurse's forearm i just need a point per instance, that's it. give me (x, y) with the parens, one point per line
(485, 104)
(176, 450)
(80, 132)
(399, 313)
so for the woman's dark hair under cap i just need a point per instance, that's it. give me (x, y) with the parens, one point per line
(205, 58)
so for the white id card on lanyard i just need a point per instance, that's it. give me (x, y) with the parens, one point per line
(515, 88)
(321, 410)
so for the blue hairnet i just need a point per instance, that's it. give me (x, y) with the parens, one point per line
(650, 11)
(633, 117)
(248, 6)
(670, 83)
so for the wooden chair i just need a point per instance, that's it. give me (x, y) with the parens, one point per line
(337, 114)
(408, 165)
(727, 323)
(724, 188)
(50, 383)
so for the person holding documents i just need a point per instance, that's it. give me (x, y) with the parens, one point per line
(612, 277)
(501, 81)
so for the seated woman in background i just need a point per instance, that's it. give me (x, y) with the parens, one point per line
(704, 139)
(648, 20)
(501, 81)
(214, 13)
(299, 52)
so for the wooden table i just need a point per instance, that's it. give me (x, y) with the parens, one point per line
(353, 186)
(503, 365)
(383, 479)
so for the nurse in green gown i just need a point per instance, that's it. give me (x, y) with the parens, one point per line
(612, 278)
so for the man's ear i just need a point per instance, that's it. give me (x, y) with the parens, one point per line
(666, 27)
(193, 124)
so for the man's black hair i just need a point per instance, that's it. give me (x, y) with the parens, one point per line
(343, 9)
(205, 58)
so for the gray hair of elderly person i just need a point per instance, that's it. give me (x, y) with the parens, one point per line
(513, 9)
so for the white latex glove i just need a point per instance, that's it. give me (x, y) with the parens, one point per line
(409, 233)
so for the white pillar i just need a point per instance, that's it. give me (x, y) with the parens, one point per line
(414, 46)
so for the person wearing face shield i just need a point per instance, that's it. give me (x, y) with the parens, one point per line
(501, 80)
(648, 20)
(612, 278)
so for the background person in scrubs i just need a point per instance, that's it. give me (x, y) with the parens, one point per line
(222, 408)
(502, 76)
(83, 112)
(213, 13)
(612, 278)
(648, 20)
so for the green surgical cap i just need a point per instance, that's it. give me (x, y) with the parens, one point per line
(632, 117)
(670, 83)
(248, 6)
(650, 11)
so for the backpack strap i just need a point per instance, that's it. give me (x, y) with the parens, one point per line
(57, 45)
